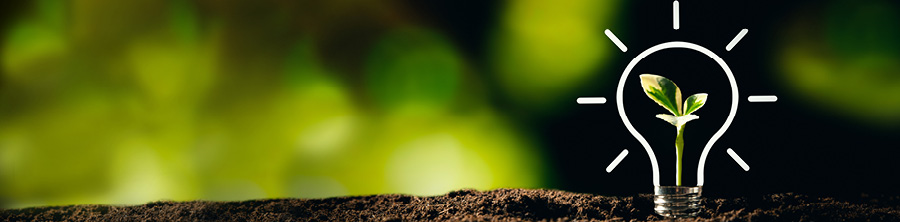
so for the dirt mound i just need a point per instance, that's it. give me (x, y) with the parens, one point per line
(500, 204)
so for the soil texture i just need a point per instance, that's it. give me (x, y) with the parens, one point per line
(473, 205)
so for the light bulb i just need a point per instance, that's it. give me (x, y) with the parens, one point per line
(713, 139)
(677, 200)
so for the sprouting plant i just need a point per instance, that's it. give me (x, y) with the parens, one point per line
(668, 95)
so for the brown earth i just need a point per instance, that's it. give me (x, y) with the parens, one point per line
(500, 204)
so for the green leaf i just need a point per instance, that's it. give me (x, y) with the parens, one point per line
(663, 91)
(694, 102)
(677, 120)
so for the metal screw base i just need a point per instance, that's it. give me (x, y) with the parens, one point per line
(677, 201)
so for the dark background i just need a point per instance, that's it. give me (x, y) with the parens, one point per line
(790, 145)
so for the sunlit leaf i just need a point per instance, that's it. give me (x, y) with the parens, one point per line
(663, 91)
(694, 102)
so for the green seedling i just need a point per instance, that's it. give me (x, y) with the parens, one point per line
(668, 95)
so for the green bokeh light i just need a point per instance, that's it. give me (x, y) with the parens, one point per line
(429, 157)
(544, 50)
(413, 69)
(34, 41)
(177, 100)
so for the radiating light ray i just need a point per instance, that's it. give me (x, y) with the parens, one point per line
(591, 100)
(616, 161)
(615, 40)
(676, 23)
(736, 39)
(762, 98)
(737, 159)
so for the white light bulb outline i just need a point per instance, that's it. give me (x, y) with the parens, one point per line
(734, 104)
(676, 24)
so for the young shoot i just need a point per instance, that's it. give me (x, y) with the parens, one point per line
(668, 95)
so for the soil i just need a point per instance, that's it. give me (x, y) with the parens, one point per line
(500, 204)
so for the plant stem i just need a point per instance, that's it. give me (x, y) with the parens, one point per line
(679, 150)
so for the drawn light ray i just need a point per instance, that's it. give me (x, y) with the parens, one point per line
(676, 20)
(762, 98)
(738, 159)
(615, 40)
(591, 100)
(616, 161)
(736, 39)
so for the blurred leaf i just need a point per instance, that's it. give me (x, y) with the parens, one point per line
(413, 68)
(184, 21)
(839, 61)
(32, 43)
(544, 50)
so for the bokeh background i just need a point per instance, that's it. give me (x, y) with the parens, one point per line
(126, 102)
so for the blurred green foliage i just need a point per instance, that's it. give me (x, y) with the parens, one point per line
(543, 50)
(413, 68)
(134, 101)
(844, 57)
